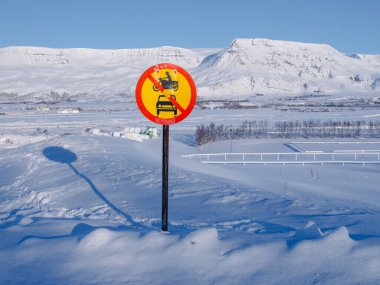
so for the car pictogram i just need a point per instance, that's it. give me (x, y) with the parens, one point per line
(165, 105)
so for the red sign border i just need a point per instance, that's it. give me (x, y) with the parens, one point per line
(146, 75)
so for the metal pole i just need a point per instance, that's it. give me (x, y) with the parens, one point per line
(231, 142)
(165, 177)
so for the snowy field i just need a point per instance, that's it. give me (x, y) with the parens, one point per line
(77, 208)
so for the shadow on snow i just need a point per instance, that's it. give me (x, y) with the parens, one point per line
(65, 156)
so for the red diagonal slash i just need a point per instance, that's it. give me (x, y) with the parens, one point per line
(162, 89)
(155, 82)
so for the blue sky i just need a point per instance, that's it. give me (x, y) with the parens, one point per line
(350, 26)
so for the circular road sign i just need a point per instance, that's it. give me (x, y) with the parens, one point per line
(166, 93)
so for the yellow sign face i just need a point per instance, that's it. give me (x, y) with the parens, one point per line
(166, 94)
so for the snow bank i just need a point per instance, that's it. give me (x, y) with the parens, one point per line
(94, 218)
(106, 256)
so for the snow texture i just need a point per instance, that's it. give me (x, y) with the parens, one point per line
(86, 210)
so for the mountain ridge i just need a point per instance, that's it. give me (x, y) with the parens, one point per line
(267, 66)
(244, 68)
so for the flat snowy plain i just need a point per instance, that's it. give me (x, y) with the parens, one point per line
(82, 209)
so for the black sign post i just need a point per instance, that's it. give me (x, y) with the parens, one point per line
(165, 177)
(177, 98)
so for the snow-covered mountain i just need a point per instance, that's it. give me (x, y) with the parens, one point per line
(45, 73)
(276, 67)
(246, 67)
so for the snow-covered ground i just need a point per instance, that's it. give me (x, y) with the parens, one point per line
(76, 208)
